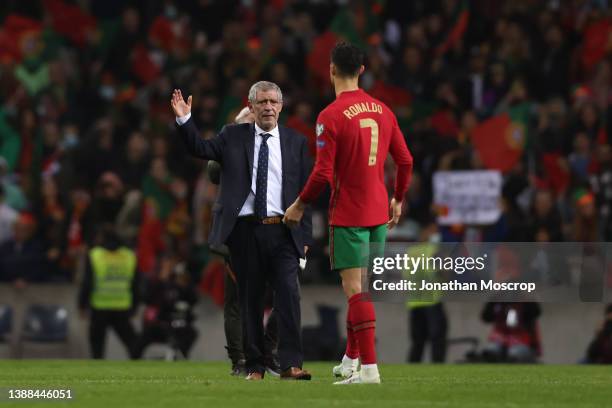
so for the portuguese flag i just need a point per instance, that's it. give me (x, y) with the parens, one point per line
(501, 139)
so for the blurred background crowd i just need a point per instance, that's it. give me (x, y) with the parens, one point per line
(87, 137)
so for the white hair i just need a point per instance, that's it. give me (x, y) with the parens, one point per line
(264, 86)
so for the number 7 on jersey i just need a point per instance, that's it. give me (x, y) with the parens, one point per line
(371, 123)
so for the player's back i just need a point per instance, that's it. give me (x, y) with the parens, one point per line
(364, 130)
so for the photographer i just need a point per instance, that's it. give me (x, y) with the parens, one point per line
(169, 317)
(514, 337)
(600, 349)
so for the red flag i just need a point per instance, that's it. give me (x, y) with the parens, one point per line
(16, 37)
(70, 21)
(499, 141)
(456, 32)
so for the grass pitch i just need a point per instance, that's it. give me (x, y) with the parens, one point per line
(117, 384)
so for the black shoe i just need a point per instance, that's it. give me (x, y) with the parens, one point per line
(239, 368)
(272, 366)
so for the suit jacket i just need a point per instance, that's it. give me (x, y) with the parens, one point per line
(234, 149)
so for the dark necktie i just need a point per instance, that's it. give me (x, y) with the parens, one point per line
(261, 183)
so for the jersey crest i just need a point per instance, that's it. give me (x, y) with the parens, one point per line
(319, 129)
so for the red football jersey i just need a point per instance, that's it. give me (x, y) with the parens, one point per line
(354, 135)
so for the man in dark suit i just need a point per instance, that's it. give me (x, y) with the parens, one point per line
(264, 167)
(232, 321)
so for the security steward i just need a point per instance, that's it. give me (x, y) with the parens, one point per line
(108, 292)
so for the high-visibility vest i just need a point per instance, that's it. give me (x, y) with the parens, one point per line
(113, 275)
(430, 298)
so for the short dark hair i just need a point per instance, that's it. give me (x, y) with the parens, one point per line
(108, 236)
(347, 58)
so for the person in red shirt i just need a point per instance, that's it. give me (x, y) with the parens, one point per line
(355, 133)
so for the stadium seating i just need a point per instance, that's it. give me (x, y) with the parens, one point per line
(45, 325)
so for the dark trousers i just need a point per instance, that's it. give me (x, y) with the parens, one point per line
(428, 323)
(260, 255)
(232, 323)
(119, 321)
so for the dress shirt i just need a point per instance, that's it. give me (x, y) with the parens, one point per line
(275, 175)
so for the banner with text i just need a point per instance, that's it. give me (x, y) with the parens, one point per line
(467, 197)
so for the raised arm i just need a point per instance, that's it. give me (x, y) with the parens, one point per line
(197, 146)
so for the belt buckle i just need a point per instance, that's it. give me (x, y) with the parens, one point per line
(271, 220)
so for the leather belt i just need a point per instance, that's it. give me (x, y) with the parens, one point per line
(267, 220)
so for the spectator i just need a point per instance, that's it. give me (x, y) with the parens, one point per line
(135, 161)
(544, 216)
(580, 158)
(106, 204)
(600, 348)
(23, 259)
(585, 220)
(8, 217)
(109, 292)
(13, 194)
(156, 187)
(51, 214)
(601, 184)
(169, 316)
(96, 154)
(428, 321)
(514, 336)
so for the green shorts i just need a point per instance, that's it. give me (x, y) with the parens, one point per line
(349, 247)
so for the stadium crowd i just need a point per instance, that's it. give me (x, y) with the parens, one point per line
(87, 138)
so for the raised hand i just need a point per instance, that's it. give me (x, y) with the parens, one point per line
(179, 106)
(245, 116)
